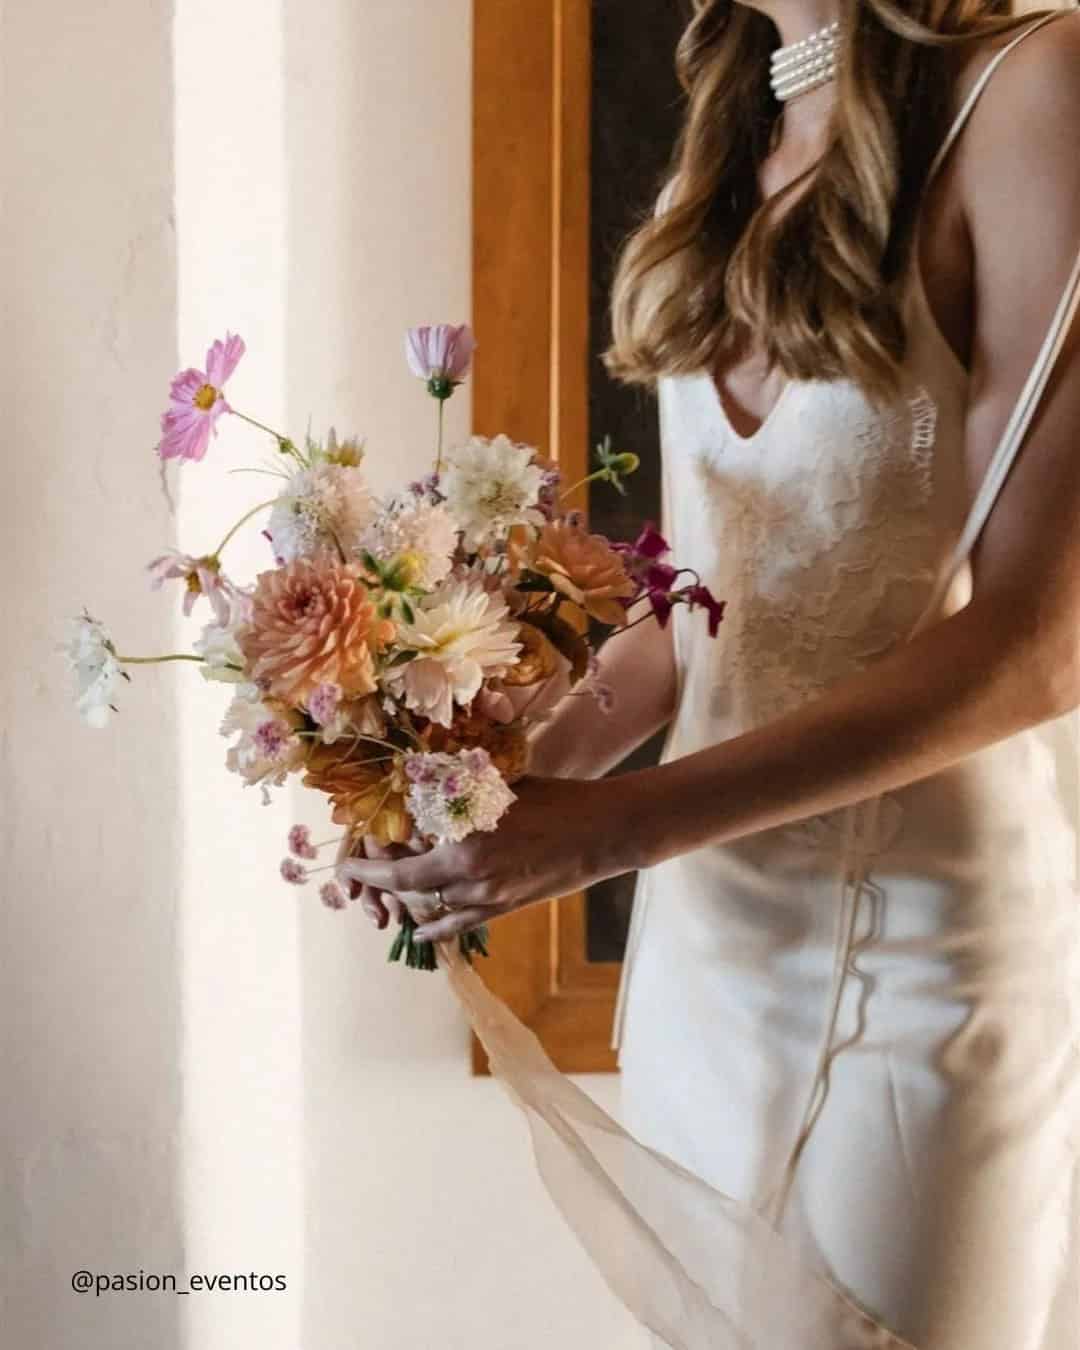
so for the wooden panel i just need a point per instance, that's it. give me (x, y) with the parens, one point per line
(531, 113)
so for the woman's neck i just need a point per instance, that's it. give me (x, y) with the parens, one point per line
(806, 118)
(798, 19)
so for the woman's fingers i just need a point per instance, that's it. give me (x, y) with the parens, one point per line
(455, 924)
(415, 872)
(386, 902)
(381, 907)
(373, 906)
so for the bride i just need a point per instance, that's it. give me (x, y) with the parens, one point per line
(848, 1038)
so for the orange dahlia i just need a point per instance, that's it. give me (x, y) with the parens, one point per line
(313, 622)
(366, 793)
(538, 660)
(507, 745)
(585, 568)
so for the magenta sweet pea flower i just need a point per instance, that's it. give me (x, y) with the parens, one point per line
(701, 595)
(650, 543)
(197, 400)
(662, 604)
(440, 354)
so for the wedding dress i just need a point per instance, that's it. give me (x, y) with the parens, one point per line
(850, 1046)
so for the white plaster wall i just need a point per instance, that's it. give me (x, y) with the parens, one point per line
(90, 822)
(203, 1070)
(242, 1072)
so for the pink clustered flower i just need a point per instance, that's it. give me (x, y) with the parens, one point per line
(201, 577)
(294, 873)
(273, 739)
(656, 580)
(300, 845)
(440, 354)
(197, 400)
(323, 703)
(425, 490)
(332, 896)
(451, 796)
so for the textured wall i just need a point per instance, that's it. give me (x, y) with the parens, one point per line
(90, 821)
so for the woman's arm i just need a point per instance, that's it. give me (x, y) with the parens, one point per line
(1009, 660)
(580, 741)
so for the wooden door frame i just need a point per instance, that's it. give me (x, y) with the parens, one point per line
(532, 80)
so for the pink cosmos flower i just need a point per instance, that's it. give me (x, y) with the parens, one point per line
(202, 576)
(440, 354)
(197, 400)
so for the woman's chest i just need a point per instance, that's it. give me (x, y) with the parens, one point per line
(826, 478)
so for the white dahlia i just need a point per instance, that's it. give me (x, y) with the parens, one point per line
(462, 635)
(322, 510)
(490, 486)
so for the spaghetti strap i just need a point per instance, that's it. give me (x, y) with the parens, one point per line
(980, 85)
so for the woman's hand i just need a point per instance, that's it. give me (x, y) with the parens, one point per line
(379, 906)
(558, 837)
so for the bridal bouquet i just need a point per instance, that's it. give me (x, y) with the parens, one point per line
(395, 652)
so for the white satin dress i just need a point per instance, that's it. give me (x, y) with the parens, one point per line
(921, 1150)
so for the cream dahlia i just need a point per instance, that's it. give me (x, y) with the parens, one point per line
(421, 537)
(313, 623)
(461, 635)
(322, 512)
(491, 486)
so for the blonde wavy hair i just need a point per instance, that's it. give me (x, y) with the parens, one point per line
(812, 276)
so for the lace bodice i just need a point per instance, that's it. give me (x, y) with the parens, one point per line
(823, 531)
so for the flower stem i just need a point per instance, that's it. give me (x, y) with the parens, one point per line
(581, 483)
(625, 628)
(439, 443)
(241, 522)
(156, 660)
(285, 445)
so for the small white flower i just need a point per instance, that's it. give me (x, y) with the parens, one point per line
(453, 796)
(223, 661)
(462, 635)
(321, 511)
(92, 660)
(490, 486)
(419, 533)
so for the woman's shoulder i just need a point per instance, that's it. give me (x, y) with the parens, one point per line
(1041, 68)
(1024, 125)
